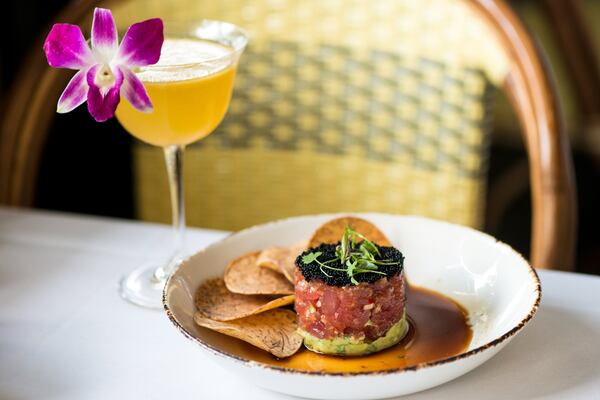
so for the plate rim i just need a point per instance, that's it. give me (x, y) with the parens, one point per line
(428, 364)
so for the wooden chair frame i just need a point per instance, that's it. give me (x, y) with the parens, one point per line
(575, 42)
(528, 85)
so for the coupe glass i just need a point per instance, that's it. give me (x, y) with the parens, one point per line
(190, 89)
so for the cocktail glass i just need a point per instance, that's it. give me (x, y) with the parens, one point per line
(190, 89)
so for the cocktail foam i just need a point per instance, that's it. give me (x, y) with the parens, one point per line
(183, 59)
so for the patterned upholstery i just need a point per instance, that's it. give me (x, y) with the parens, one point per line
(330, 114)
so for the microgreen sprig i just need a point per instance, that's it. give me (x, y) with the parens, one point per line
(355, 259)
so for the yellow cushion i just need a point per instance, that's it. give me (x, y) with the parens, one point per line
(394, 135)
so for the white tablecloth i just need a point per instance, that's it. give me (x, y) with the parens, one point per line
(66, 334)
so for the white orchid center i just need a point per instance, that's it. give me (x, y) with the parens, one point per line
(104, 78)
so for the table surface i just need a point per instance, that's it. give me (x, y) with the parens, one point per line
(66, 334)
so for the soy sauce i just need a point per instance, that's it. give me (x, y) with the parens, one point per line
(438, 329)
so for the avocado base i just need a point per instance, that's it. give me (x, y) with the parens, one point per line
(351, 346)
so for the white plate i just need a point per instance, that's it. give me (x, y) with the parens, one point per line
(492, 281)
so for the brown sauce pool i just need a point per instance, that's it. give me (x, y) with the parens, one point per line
(438, 329)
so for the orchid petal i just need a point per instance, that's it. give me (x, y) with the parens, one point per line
(103, 101)
(74, 94)
(134, 91)
(65, 47)
(141, 44)
(104, 35)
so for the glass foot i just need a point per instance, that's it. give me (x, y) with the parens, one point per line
(142, 288)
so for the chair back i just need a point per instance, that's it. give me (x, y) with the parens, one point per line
(343, 106)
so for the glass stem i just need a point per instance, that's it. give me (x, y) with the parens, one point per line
(174, 160)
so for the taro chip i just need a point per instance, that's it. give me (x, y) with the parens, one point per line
(273, 331)
(243, 275)
(332, 231)
(215, 301)
(281, 259)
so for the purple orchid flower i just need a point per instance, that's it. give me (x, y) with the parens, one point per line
(104, 71)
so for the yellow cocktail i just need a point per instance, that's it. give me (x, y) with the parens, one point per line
(190, 88)
(189, 101)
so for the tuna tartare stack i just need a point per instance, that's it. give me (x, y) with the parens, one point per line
(350, 296)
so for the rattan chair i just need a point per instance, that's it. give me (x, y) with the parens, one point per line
(341, 106)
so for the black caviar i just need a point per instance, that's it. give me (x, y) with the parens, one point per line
(340, 278)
